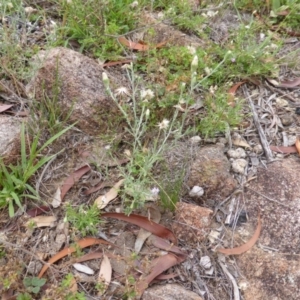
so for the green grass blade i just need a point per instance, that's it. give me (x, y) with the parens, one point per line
(56, 136)
(17, 199)
(32, 169)
(11, 210)
(23, 147)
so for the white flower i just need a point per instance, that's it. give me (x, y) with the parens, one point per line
(154, 194)
(191, 49)
(134, 4)
(155, 191)
(207, 70)
(211, 13)
(122, 91)
(147, 94)
(164, 124)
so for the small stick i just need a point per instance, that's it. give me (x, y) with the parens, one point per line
(261, 133)
(268, 198)
(236, 293)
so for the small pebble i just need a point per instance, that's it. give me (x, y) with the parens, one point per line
(236, 153)
(239, 165)
(196, 191)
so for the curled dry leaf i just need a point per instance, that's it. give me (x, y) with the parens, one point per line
(33, 212)
(159, 265)
(42, 221)
(165, 245)
(5, 107)
(138, 46)
(145, 223)
(294, 83)
(72, 179)
(97, 187)
(246, 246)
(143, 234)
(67, 251)
(232, 91)
(240, 142)
(69, 182)
(102, 201)
(282, 149)
(84, 269)
(115, 63)
(297, 144)
(290, 83)
(104, 277)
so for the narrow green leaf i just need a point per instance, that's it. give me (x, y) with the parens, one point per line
(23, 147)
(11, 210)
(17, 200)
(56, 136)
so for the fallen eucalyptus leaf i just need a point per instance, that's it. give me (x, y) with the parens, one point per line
(103, 200)
(42, 221)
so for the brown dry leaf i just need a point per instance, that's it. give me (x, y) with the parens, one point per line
(282, 149)
(72, 179)
(103, 200)
(138, 46)
(89, 256)
(294, 83)
(97, 187)
(290, 83)
(297, 145)
(143, 234)
(104, 277)
(115, 63)
(145, 223)
(165, 245)
(159, 265)
(246, 246)
(67, 251)
(240, 142)
(5, 107)
(69, 182)
(33, 212)
(232, 91)
(42, 221)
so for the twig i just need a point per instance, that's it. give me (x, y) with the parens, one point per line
(5, 243)
(282, 93)
(262, 135)
(37, 186)
(236, 293)
(268, 198)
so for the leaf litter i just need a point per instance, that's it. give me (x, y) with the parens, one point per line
(269, 121)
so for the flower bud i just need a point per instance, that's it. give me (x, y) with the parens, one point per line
(105, 79)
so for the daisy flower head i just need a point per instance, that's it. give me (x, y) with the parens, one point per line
(147, 94)
(164, 124)
(122, 91)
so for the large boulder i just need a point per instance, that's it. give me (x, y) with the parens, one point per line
(76, 81)
(211, 171)
(272, 271)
